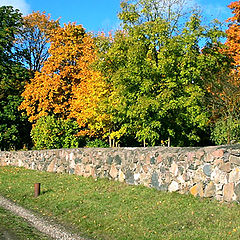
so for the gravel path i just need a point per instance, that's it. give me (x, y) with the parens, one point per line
(53, 230)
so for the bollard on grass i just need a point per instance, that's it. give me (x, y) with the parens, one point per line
(36, 189)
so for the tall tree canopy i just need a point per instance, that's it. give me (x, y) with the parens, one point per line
(66, 86)
(14, 129)
(158, 71)
(224, 91)
(163, 77)
(233, 32)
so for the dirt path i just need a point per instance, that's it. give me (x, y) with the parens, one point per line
(53, 230)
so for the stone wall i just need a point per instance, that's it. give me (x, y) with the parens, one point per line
(206, 172)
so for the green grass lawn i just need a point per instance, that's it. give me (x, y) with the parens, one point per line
(106, 209)
(13, 227)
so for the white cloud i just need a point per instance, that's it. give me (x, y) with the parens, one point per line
(22, 5)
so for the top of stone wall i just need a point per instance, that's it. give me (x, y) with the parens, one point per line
(156, 148)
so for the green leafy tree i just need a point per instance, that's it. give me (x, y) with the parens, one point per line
(50, 132)
(14, 128)
(226, 130)
(96, 143)
(158, 71)
(224, 104)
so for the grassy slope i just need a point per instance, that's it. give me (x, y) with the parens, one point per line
(16, 228)
(110, 210)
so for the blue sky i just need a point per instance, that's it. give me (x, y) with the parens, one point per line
(101, 15)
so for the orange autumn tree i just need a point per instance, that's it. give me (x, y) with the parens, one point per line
(233, 32)
(90, 96)
(225, 92)
(67, 86)
(231, 82)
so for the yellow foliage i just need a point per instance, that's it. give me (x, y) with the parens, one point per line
(233, 32)
(67, 85)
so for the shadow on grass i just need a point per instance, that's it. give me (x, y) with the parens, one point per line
(46, 191)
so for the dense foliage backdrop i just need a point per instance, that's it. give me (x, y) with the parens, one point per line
(164, 78)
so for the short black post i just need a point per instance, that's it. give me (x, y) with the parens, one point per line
(36, 189)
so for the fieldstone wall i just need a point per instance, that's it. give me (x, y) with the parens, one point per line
(206, 172)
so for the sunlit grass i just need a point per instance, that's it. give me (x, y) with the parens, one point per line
(111, 210)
